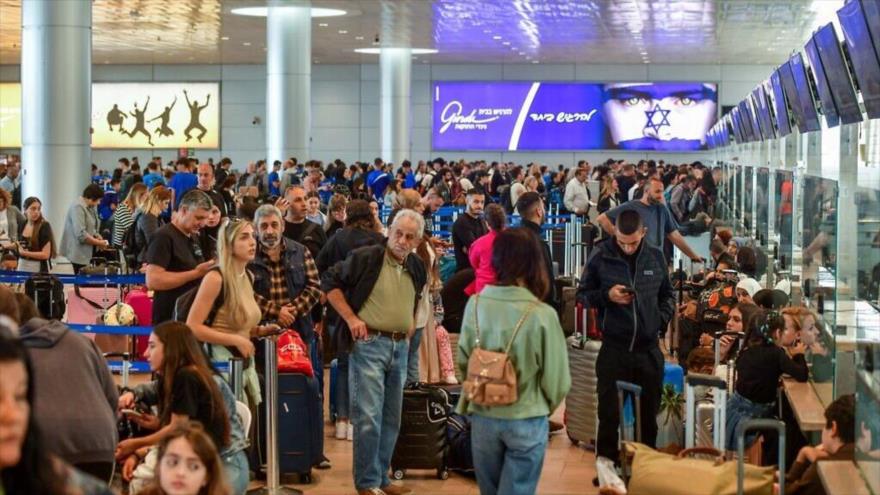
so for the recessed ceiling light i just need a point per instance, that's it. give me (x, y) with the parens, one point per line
(359, 37)
(643, 52)
(505, 43)
(343, 31)
(263, 11)
(224, 38)
(323, 24)
(414, 51)
(534, 61)
(247, 43)
(496, 37)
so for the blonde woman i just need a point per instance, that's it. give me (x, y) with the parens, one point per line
(607, 195)
(123, 217)
(225, 313)
(148, 220)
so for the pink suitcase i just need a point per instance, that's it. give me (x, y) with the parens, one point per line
(87, 306)
(142, 304)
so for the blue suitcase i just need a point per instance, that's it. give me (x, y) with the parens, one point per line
(300, 425)
(334, 375)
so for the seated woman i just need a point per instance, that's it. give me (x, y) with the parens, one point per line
(187, 388)
(509, 441)
(188, 464)
(36, 245)
(759, 366)
(26, 466)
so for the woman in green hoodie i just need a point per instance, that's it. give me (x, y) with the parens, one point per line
(509, 441)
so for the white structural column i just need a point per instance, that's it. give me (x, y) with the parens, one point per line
(395, 66)
(288, 79)
(56, 78)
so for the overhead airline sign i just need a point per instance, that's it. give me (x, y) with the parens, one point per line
(135, 115)
(572, 116)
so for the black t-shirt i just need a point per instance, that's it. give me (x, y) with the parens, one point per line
(175, 252)
(465, 231)
(758, 369)
(307, 233)
(191, 397)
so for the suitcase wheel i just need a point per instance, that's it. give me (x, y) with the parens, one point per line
(443, 474)
(398, 474)
(305, 478)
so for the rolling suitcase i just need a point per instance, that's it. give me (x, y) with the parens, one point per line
(47, 293)
(334, 389)
(421, 443)
(581, 405)
(705, 418)
(142, 304)
(300, 429)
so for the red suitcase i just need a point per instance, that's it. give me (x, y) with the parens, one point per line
(142, 304)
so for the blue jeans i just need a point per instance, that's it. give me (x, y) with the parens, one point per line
(377, 374)
(412, 364)
(236, 468)
(740, 410)
(508, 453)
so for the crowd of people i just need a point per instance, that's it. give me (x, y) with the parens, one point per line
(349, 258)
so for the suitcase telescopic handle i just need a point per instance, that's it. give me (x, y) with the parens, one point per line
(632, 388)
(758, 424)
(696, 379)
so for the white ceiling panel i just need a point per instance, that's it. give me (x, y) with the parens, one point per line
(464, 31)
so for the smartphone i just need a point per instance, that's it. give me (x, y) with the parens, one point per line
(628, 290)
(132, 412)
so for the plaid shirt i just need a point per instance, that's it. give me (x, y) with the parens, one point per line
(278, 295)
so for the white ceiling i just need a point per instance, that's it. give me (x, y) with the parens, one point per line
(464, 31)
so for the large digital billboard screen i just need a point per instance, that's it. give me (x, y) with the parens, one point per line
(156, 115)
(10, 115)
(135, 115)
(572, 116)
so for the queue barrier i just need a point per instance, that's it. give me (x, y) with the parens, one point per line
(16, 277)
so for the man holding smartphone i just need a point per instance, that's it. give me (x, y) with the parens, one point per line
(627, 282)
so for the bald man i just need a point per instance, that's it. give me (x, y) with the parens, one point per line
(206, 185)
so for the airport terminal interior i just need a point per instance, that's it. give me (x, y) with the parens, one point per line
(249, 246)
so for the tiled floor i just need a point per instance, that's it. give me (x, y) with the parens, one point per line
(567, 470)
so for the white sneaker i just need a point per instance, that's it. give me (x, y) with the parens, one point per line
(341, 430)
(450, 380)
(349, 435)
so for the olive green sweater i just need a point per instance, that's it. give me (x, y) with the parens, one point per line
(538, 353)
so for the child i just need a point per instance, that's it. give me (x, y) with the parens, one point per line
(188, 464)
(838, 444)
(758, 368)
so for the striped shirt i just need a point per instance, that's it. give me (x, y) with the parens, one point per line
(122, 220)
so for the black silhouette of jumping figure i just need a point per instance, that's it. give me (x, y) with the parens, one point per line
(139, 125)
(115, 117)
(163, 129)
(194, 111)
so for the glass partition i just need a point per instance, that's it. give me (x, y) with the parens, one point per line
(738, 199)
(819, 246)
(748, 200)
(762, 227)
(783, 218)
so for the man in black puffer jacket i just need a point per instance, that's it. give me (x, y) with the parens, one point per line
(626, 281)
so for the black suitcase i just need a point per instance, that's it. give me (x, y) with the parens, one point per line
(47, 293)
(300, 428)
(421, 443)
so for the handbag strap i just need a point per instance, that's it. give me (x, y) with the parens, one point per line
(519, 324)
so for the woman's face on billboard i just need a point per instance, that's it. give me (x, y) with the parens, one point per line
(659, 116)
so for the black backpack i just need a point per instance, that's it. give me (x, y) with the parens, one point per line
(47, 292)
(129, 239)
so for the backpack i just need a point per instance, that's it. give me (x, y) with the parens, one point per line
(184, 302)
(129, 239)
(714, 305)
(505, 199)
(491, 377)
(47, 292)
